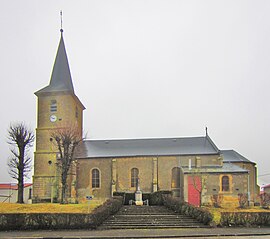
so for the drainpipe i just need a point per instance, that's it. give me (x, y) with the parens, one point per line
(248, 190)
(189, 164)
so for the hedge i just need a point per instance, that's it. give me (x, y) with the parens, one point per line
(26, 221)
(155, 198)
(198, 213)
(245, 219)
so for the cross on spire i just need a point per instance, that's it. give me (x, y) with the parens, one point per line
(61, 19)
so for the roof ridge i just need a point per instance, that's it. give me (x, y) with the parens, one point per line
(212, 143)
(146, 138)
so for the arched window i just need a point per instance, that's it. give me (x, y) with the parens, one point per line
(95, 178)
(225, 184)
(134, 177)
(175, 178)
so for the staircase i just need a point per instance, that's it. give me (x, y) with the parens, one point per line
(148, 217)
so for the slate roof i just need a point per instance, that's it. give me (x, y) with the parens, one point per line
(61, 77)
(233, 157)
(147, 147)
(226, 168)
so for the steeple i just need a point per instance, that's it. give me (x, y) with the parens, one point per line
(61, 80)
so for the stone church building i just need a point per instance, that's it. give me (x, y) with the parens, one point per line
(186, 166)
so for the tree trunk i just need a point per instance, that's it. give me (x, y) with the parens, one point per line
(63, 194)
(20, 177)
(64, 187)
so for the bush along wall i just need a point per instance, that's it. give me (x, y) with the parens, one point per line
(245, 219)
(27, 221)
(155, 198)
(178, 206)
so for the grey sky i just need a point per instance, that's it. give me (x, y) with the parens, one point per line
(145, 68)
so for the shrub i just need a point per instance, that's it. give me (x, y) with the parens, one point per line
(178, 206)
(243, 200)
(245, 219)
(24, 221)
(217, 200)
(157, 198)
(101, 213)
(265, 200)
(126, 196)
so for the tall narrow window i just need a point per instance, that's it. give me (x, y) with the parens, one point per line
(175, 177)
(225, 184)
(95, 178)
(53, 106)
(134, 177)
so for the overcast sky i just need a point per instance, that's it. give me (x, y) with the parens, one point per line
(145, 68)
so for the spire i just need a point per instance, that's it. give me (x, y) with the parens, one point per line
(61, 78)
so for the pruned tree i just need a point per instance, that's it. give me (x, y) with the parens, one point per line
(199, 183)
(66, 140)
(265, 200)
(20, 164)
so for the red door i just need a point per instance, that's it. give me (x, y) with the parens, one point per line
(193, 191)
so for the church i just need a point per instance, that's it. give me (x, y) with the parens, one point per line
(192, 168)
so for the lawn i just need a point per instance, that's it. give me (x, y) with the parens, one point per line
(48, 207)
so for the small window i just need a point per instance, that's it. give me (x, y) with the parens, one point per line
(225, 184)
(134, 177)
(95, 178)
(53, 107)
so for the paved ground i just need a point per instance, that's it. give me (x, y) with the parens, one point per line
(251, 233)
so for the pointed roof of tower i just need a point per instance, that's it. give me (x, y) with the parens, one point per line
(61, 80)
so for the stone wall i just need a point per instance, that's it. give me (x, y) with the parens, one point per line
(45, 158)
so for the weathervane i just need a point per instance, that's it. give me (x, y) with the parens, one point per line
(61, 18)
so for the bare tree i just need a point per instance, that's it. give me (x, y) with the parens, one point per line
(199, 182)
(66, 140)
(20, 136)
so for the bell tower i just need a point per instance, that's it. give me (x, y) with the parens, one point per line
(57, 107)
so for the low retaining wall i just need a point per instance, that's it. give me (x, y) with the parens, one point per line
(26, 221)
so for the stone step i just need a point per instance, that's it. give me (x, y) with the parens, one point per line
(152, 220)
(134, 217)
(152, 223)
(143, 217)
(129, 219)
(111, 227)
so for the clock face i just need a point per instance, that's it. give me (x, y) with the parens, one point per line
(53, 118)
